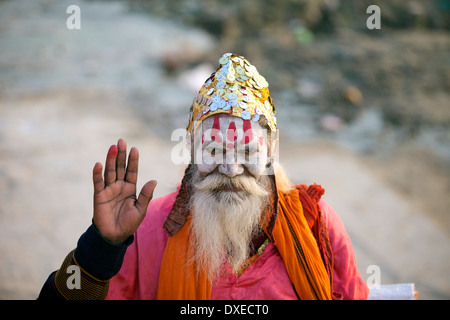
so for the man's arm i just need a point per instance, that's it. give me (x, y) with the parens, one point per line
(95, 260)
(117, 215)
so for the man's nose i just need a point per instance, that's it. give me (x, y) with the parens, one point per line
(231, 170)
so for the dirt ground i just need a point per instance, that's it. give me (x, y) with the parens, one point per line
(66, 97)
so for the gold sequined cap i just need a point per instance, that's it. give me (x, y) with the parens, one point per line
(237, 89)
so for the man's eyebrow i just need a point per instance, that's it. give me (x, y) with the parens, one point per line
(211, 144)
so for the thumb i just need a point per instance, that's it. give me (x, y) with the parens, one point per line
(145, 196)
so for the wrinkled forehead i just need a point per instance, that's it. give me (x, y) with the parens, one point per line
(232, 129)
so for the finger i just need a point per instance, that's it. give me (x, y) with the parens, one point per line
(145, 196)
(110, 166)
(97, 177)
(121, 158)
(132, 168)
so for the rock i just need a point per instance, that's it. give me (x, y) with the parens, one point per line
(353, 95)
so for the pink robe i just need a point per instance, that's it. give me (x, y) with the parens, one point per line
(265, 279)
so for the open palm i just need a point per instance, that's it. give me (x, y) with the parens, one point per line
(117, 211)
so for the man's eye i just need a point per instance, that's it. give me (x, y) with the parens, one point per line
(250, 151)
(213, 151)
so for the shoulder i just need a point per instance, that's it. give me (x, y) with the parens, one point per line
(347, 280)
(336, 228)
(329, 214)
(138, 277)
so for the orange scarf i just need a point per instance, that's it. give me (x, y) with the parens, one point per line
(291, 235)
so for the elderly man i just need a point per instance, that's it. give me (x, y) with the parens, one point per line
(236, 228)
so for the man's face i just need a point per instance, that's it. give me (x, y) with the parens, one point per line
(232, 146)
(230, 190)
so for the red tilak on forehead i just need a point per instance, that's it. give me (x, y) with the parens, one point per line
(215, 132)
(231, 132)
(248, 132)
(216, 124)
(216, 129)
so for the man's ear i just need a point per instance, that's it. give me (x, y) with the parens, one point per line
(188, 140)
(190, 145)
(272, 152)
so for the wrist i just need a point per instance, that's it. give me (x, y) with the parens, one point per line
(117, 241)
(98, 256)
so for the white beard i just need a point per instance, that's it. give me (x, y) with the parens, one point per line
(224, 222)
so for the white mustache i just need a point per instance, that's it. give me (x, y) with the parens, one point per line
(218, 181)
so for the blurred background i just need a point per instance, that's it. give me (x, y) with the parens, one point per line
(365, 113)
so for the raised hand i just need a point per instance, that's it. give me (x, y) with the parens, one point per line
(117, 211)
